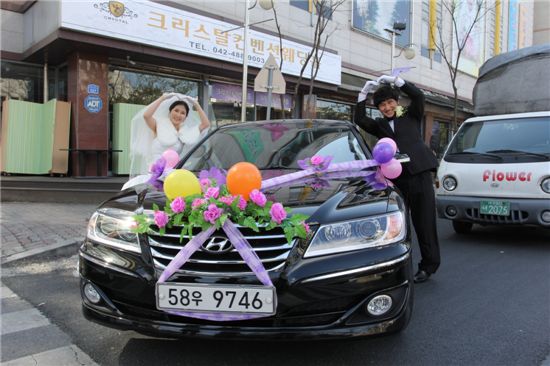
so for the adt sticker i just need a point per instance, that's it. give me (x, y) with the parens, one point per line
(93, 103)
(93, 89)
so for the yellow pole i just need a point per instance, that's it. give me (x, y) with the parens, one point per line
(498, 12)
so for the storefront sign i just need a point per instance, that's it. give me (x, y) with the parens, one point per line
(162, 26)
(93, 89)
(93, 103)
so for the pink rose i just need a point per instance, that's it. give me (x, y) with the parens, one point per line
(205, 183)
(316, 160)
(212, 192)
(178, 205)
(161, 218)
(212, 213)
(258, 198)
(278, 213)
(197, 202)
(242, 203)
(306, 226)
(228, 200)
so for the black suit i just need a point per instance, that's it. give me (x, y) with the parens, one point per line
(415, 181)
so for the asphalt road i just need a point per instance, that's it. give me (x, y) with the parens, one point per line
(489, 304)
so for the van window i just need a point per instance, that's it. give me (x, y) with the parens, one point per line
(510, 140)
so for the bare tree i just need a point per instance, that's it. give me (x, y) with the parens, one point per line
(451, 46)
(278, 26)
(324, 10)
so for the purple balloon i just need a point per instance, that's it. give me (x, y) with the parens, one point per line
(383, 152)
(391, 169)
(389, 141)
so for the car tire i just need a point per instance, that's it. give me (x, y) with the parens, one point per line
(462, 227)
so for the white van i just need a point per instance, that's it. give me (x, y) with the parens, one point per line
(496, 170)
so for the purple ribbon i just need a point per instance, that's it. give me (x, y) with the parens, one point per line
(244, 249)
(336, 167)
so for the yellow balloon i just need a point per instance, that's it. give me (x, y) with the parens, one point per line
(181, 183)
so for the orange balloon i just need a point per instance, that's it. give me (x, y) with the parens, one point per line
(242, 178)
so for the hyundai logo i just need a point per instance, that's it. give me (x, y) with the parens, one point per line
(217, 245)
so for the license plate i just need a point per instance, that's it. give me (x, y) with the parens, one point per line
(247, 299)
(500, 208)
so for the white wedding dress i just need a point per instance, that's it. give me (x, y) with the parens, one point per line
(145, 148)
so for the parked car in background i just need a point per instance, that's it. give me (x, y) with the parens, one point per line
(351, 277)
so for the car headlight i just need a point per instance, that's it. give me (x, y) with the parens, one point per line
(545, 184)
(113, 227)
(358, 234)
(449, 183)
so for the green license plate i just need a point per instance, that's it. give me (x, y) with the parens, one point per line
(499, 208)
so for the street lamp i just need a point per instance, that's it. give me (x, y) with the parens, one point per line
(398, 27)
(266, 5)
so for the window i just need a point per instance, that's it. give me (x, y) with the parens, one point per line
(371, 16)
(440, 137)
(267, 149)
(531, 135)
(142, 88)
(22, 81)
(333, 110)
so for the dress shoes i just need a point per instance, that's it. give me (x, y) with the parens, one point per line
(421, 276)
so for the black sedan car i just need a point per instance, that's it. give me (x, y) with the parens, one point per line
(351, 277)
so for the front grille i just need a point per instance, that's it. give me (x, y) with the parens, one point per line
(271, 247)
(515, 217)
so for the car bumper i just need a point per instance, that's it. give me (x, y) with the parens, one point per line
(522, 211)
(314, 303)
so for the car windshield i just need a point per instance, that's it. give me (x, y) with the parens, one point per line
(500, 139)
(277, 145)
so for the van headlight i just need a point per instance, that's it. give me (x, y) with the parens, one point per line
(449, 183)
(114, 227)
(369, 232)
(545, 184)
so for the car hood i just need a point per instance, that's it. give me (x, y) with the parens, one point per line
(325, 199)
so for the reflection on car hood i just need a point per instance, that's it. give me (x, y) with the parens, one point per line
(324, 199)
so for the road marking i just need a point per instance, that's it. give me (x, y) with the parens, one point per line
(29, 319)
(22, 320)
(6, 292)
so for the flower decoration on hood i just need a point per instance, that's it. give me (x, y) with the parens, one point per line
(317, 162)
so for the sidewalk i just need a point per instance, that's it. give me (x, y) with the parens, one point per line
(29, 228)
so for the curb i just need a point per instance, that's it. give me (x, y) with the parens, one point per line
(58, 248)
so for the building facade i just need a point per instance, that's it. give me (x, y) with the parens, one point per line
(110, 57)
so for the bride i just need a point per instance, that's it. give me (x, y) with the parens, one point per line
(173, 121)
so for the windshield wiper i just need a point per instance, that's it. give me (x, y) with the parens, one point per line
(494, 156)
(281, 167)
(508, 151)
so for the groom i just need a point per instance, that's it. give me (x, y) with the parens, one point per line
(415, 182)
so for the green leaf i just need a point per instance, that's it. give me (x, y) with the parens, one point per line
(155, 207)
(251, 223)
(223, 218)
(289, 233)
(300, 231)
(298, 218)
